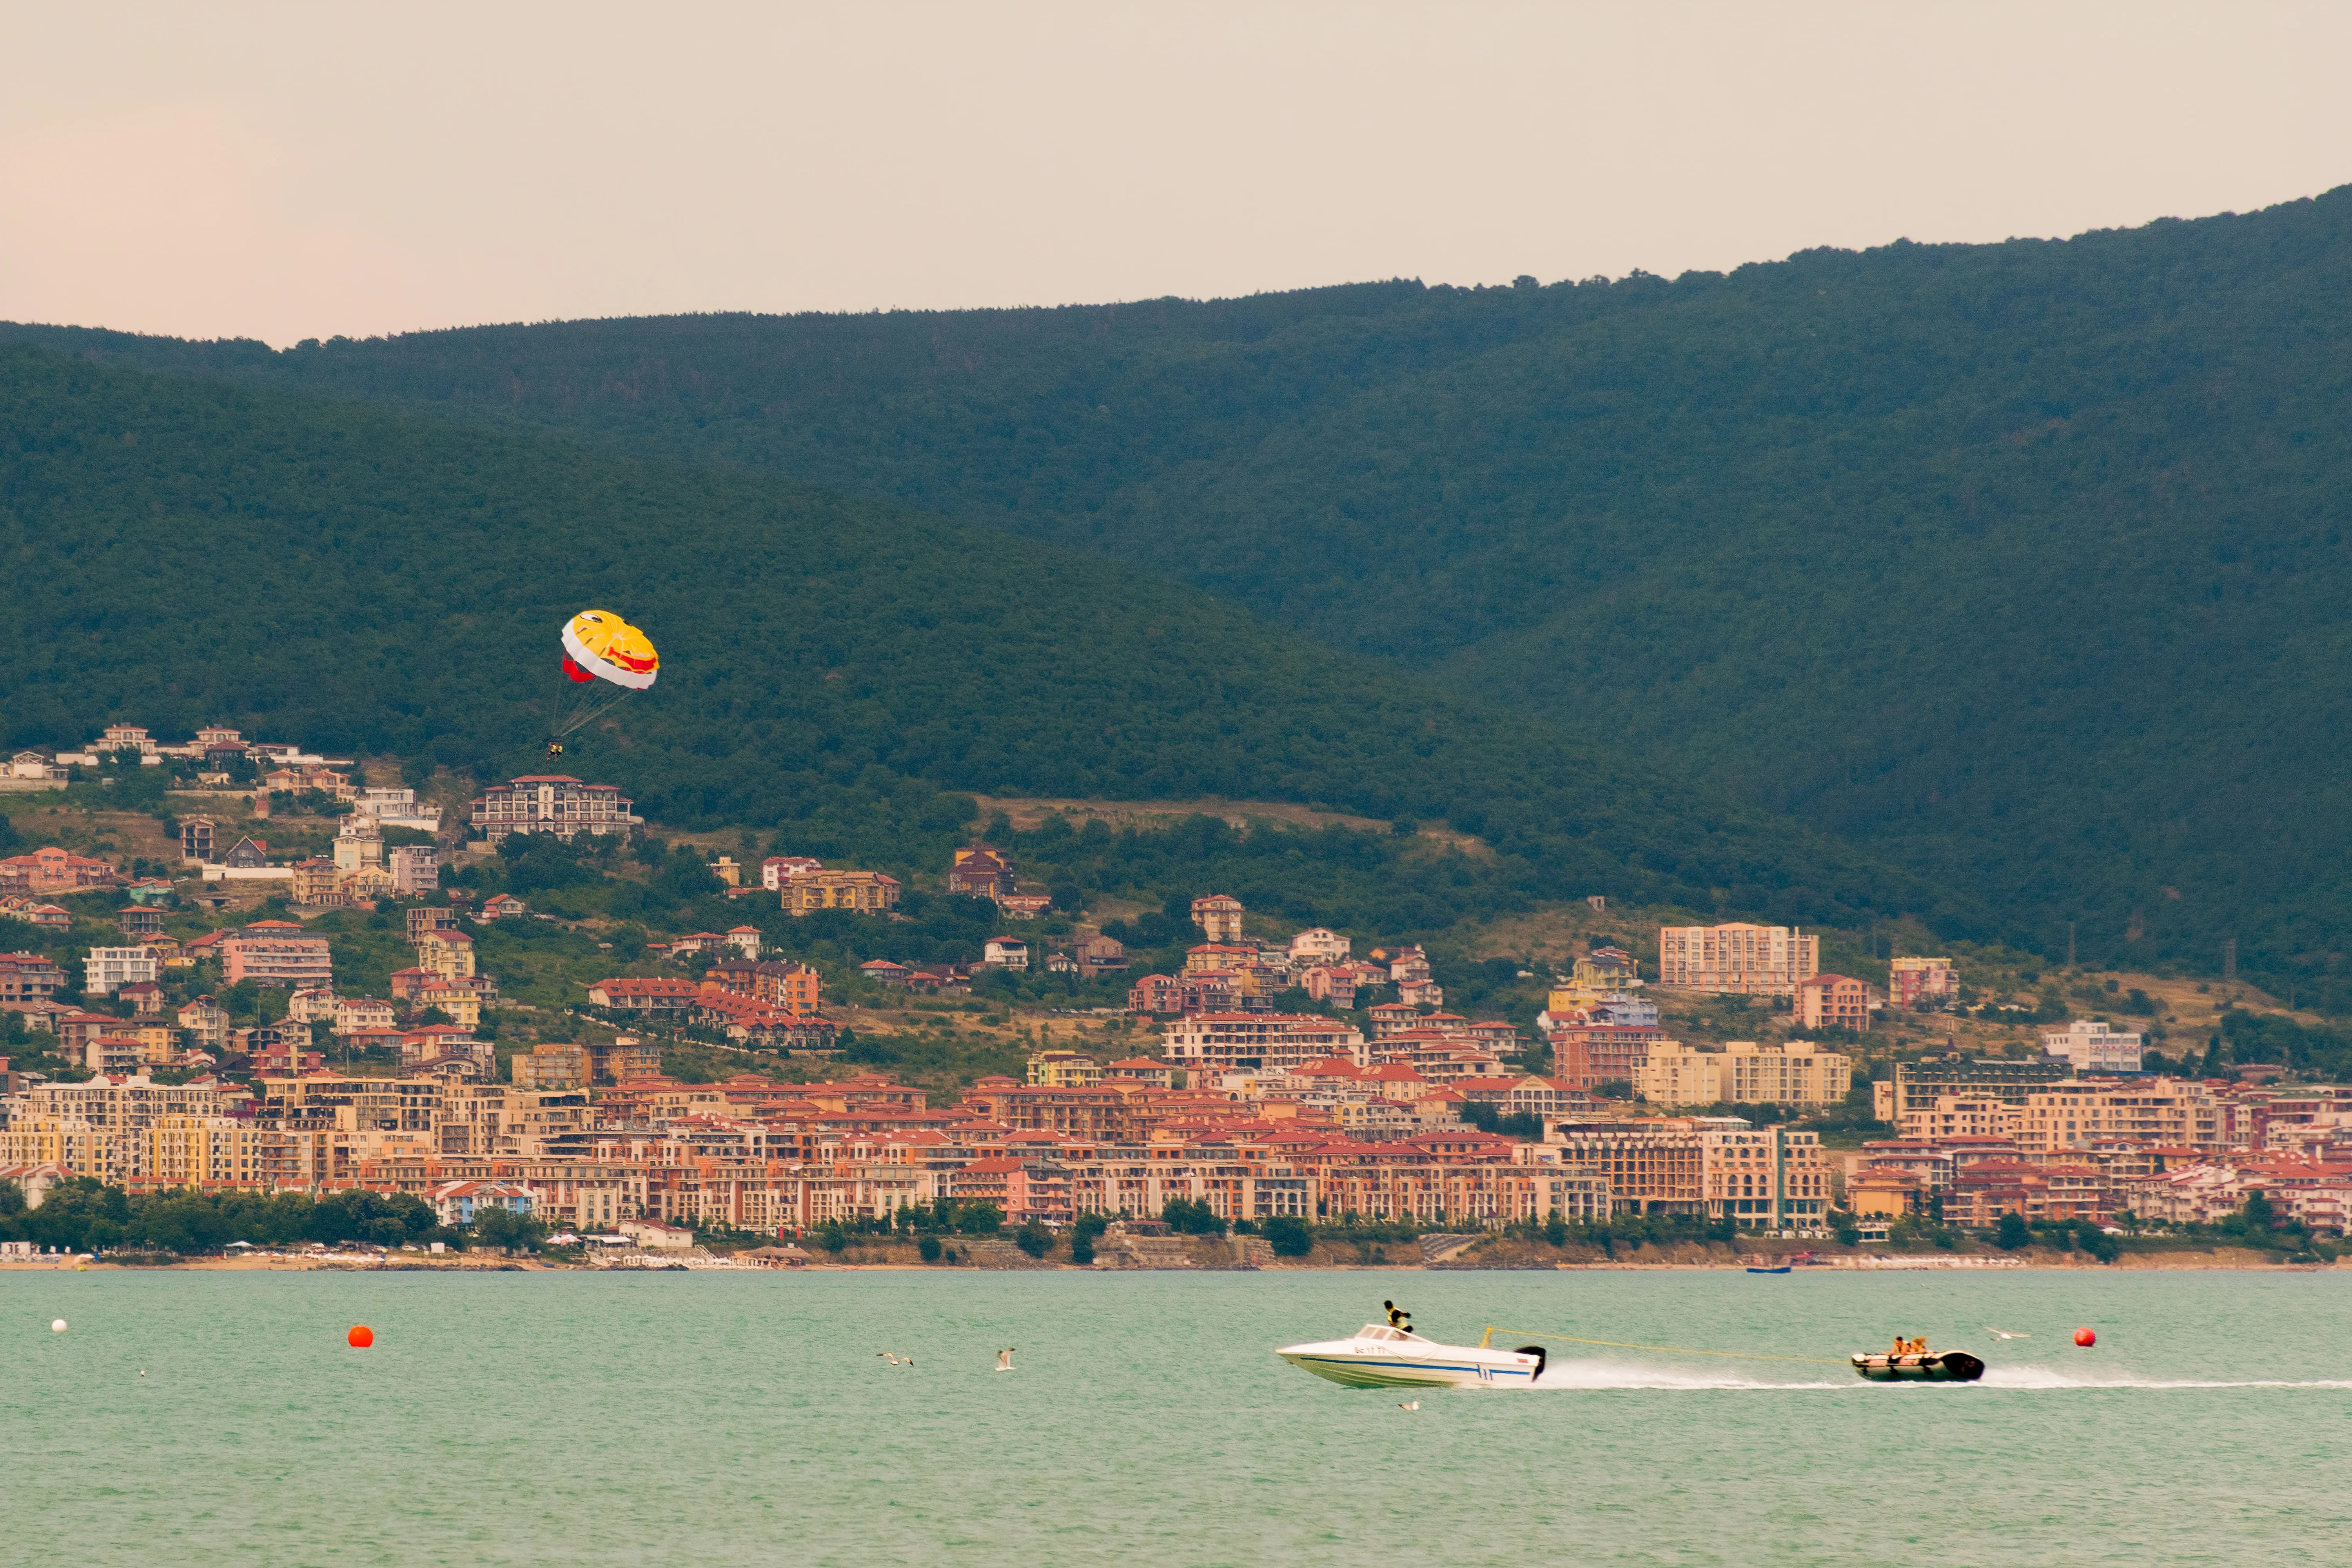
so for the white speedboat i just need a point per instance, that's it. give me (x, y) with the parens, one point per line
(1377, 1356)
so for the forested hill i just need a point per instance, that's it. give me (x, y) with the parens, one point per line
(2022, 564)
(174, 551)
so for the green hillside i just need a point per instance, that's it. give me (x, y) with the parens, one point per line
(179, 550)
(2021, 565)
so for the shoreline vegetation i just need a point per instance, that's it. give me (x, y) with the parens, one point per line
(2219, 1260)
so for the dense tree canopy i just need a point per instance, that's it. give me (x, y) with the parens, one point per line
(2022, 563)
(182, 551)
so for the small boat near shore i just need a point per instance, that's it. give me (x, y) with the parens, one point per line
(1925, 1366)
(1379, 1356)
(1758, 1268)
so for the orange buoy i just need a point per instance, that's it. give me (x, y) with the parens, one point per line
(362, 1336)
(2085, 1338)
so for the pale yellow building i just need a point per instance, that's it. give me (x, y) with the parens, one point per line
(47, 1139)
(1219, 916)
(209, 1150)
(1743, 1072)
(464, 1007)
(1766, 1178)
(2165, 1111)
(551, 1065)
(360, 842)
(99, 1128)
(501, 1119)
(1063, 1069)
(867, 892)
(448, 954)
(1958, 1116)
(1736, 958)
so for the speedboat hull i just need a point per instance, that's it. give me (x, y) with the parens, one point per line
(1394, 1359)
(1939, 1366)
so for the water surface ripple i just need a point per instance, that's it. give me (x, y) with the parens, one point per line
(677, 1418)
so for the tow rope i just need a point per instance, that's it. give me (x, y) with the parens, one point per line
(1486, 1342)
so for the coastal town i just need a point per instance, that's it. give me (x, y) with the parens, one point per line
(1274, 1082)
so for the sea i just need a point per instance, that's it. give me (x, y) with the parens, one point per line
(654, 1418)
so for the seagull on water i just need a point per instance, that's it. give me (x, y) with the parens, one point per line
(1410, 1404)
(2004, 1333)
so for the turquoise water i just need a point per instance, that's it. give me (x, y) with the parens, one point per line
(747, 1418)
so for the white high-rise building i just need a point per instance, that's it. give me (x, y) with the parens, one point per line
(2094, 1047)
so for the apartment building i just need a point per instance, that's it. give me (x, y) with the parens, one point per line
(1917, 1086)
(276, 952)
(208, 1152)
(1219, 1043)
(2095, 1045)
(1765, 1178)
(861, 892)
(1319, 946)
(1736, 958)
(2169, 1111)
(1219, 916)
(1960, 1116)
(551, 802)
(1653, 1167)
(1473, 1196)
(1917, 982)
(29, 977)
(647, 996)
(1063, 1069)
(108, 969)
(413, 869)
(793, 987)
(1586, 1056)
(99, 1127)
(1833, 1002)
(448, 954)
(1744, 1072)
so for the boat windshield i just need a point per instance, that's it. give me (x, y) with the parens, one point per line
(1382, 1331)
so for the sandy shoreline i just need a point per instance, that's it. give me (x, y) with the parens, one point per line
(2220, 1259)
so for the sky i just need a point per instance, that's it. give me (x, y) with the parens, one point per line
(294, 171)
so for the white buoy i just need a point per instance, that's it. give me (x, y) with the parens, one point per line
(56, 1325)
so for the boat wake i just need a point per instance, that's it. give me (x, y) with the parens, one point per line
(2049, 1377)
(1592, 1377)
(1602, 1376)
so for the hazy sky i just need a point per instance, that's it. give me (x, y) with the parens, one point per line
(302, 170)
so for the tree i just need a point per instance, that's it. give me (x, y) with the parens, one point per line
(927, 1247)
(2012, 1232)
(1187, 1217)
(1033, 1239)
(496, 1226)
(1289, 1236)
(1083, 1236)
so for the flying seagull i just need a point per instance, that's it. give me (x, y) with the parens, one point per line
(2004, 1333)
(1004, 1358)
